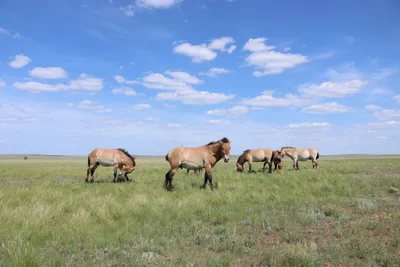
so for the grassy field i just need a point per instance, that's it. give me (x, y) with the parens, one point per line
(347, 213)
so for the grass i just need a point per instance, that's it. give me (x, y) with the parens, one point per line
(346, 213)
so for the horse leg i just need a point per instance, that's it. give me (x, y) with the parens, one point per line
(250, 165)
(315, 163)
(297, 164)
(116, 167)
(93, 169)
(125, 172)
(168, 179)
(294, 163)
(187, 172)
(265, 163)
(276, 165)
(270, 167)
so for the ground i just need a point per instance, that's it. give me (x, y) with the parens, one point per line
(346, 213)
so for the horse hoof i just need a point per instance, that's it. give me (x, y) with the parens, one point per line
(170, 188)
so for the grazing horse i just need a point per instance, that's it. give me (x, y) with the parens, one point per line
(193, 158)
(302, 154)
(265, 155)
(119, 158)
(26, 157)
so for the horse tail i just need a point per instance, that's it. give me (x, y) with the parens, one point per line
(272, 156)
(317, 155)
(88, 161)
(166, 157)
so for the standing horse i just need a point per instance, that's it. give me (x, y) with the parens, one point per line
(192, 158)
(265, 155)
(196, 171)
(302, 154)
(119, 158)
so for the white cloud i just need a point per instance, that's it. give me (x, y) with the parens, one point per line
(84, 82)
(381, 91)
(233, 111)
(218, 122)
(325, 55)
(19, 61)
(372, 107)
(2, 83)
(141, 106)
(181, 83)
(213, 72)
(157, 3)
(184, 77)
(257, 45)
(268, 62)
(91, 105)
(198, 53)
(121, 79)
(309, 125)
(267, 99)
(384, 124)
(48, 73)
(286, 49)
(397, 98)
(124, 90)
(326, 108)
(221, 43)
(194, 97)
(334, 90)
(204, 52)
(387, 114)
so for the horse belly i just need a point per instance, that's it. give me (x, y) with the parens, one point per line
(258, 156)
(106, 162)
(304, 157)
(191, 165)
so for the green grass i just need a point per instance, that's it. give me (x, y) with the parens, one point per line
(347, 213)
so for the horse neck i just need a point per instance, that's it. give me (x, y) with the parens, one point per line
(214, 149)
(291, 153)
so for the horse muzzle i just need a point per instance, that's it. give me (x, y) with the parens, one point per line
(226, 159)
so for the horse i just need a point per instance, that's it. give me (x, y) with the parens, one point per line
(205, 156)
(300, 154)
(196, 171)
(26, 157)
(119, 158)
(265, 155)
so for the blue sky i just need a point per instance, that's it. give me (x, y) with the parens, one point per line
(149, 75)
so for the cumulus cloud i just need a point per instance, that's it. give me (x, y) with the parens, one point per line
(181, 84)
(267, 99)
(205, 52)
(326, 108)
(4, 31)
(213, 72)
(122, 80)
(269, 62)
(124, 91)
(141, 106)
(233, 111)
(309, 125)
(84, 82)
(2, 83)
(334, 90)
(19, 61)
(397, 98)
(48, 73)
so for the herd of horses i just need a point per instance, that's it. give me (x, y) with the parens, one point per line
(199, 158)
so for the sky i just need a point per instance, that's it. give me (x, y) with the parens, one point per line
(151, 75)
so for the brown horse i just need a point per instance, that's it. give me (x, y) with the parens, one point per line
(302, 154)
(265, 155)
(192, 158)
(119, 158)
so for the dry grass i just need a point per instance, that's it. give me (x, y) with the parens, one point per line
(345, 214)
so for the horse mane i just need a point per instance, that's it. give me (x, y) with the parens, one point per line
(127, 154)
(247, 150)
(223, 140)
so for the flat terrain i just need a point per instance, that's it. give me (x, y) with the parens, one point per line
(346, 213)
